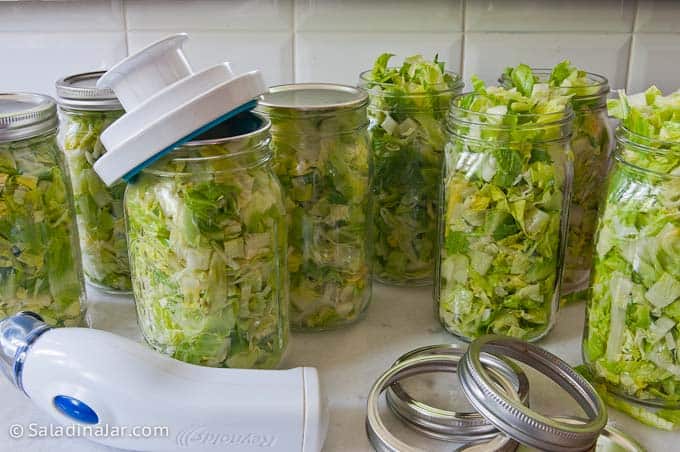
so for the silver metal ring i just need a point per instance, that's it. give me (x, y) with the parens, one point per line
(379, 436)
(449, 425)
(519, 421)
(610, 438)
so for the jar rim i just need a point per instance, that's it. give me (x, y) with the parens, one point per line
(600, 81)
(262, 129)
(623, 137)
(364, 80)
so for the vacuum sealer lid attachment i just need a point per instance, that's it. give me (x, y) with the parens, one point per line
(167, 104)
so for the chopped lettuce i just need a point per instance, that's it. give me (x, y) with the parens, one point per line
(506, 185)
(407, 112)
(322, 161)
(99, 209)
(39, 259)
(590, 144)
(207, 240)
(634, 312)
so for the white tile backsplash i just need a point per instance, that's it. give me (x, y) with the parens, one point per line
(69, 16)
(363, 15)
(34, 61)
(188, 15)
(340, 57)
(658, 16)
(271, 52)
(332, 40)
(550, 15)
(487, 54)
(656, 60)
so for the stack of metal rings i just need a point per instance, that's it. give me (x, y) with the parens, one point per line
(498, 390)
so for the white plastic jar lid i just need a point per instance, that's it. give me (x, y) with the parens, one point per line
(167, 104)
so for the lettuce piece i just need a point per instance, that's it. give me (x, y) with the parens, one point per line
(39, 260)
(99, 209)
(504, 200)
(591, 146)
(407, 113)
(322, 162)
(632, 347)
(207, 239)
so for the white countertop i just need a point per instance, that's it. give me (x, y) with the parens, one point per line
(349, 361)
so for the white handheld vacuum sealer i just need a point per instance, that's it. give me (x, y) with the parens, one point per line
(93, 378)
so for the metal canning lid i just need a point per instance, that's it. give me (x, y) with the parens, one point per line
(25, 115)
(379, 436)
(312, 97)
(519, 421)
(80, 92)
(450, 425)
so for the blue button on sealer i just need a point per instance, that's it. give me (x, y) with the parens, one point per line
(75, 409)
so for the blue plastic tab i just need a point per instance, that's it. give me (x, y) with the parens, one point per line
(76, 409)
(130, 175)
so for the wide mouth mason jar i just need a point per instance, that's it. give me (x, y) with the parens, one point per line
(503, 222)
(591, 144)
(321, 156)
(631, 334)
(85, 112)
(207, 243)
(407, 133)
(40, 268)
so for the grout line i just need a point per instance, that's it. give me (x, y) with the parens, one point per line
(293, 56)
(125, 28)
(463, 41)
(629, 66)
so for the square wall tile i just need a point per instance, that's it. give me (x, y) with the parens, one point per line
(368, 15)
(549, 15)
(658, 16)
(272, 53)
(187, 15)
(340, 57)
(655, 61)
(488, 54)
(33, 62)
(81, 15)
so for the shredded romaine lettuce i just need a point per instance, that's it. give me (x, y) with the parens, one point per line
(39, 259)
(207, 241)
(99, 210)
(591, 146)
(634, 311)
(506, 184)
(407, 112)
(322, 161)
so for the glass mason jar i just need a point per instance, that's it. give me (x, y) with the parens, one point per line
(207, 243)
(85, 112)
(40, 268)
(503, 223)
(591, 144)
(321, 157)
(631, 334)
(407, 142)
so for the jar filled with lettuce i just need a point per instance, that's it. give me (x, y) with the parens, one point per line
(321, 156)
(85, 112)
(504, 212)
(631, 336)
(407, 112)
(40, 268)
(591, 144)
(207, 243)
